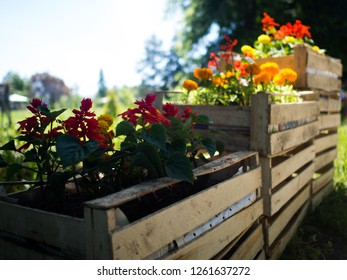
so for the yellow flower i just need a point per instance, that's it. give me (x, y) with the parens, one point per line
(203, 73)
(253, 69)
(106, 118)
(289, 39)
(103, 125)
(248, 50)
(228, 74)
(264, 39)
(190, 85)
(262, 77)
(219, 81)
(278, 80)
(289, 75)
(270, 67)
(315, 48)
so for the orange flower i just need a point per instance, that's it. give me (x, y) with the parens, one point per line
(219, 81)
(268, 22)
(270, 67)
(279, 80)
(190, 85)
(203, 73)
(262, 77)
(253, 69)
(289, 75)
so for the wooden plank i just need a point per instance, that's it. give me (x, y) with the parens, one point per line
(277, 226)
(153, 232)
(99, 225)
(325, 142)
(284, 140)
(285, 169)
(276, 250)
(324, 179)
(330, 105)
(223, 115)
(290, 189)
(329, 121)
(300, 63)
(48, 228)
(119, 198)
(213, 241)
(323, 193)
(325, 159)
(289, 112)
(259, 122)
(249, 249)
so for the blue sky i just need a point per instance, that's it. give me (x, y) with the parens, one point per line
(74, 39)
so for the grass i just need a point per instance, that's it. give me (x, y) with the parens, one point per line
(323, 233)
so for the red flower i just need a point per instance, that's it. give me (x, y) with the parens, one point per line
(84, 125)
(213, 60)
(170, 110)
(268, 22)
(146, 111)
(300, 30)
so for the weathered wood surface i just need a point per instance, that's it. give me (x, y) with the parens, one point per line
(282, 241)
(216, 239)
(329, 121)
(150, 234)
(139, 190)
(52, 229)
(323, 193)
(324, 142)
(329, 105)
(277, 224)
(324, 159)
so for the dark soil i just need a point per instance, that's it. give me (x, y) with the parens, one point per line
(323, 233)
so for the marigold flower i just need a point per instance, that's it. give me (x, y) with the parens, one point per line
(278, 79)
(219, 81)
(264, 39)
(289, 39)
(262, 77)
(253, 69)
(190, 85)
(248, 50)
(288, 75)
(107, 118)
(269, 67)
(203, 73)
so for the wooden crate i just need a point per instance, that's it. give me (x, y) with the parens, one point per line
(315, 71)
(159, 235)
(320, 194)
(105, 233)
(265, 127)
(285, 176)
(280, 228)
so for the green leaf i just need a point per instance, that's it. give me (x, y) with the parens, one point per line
(9, 146)
(53, 115)
(31, 156)
(209, 145)
(201, 119)
(178, 166)
(156, 136)
(176, 146)
(72, 152)
(178, 130)
(124, 128)
(220, 147)
(3, 162)
(151, 161)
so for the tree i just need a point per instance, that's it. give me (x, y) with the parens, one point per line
(111, 104)
(102, 87)
(48, 88)
(17, 83)
(159, 68)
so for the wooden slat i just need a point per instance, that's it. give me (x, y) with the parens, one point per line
(48, 228)
(325, 142)
(290, 189)
(282, 141)
(323, 193)
(330, 105)
(287, 112)
(324, 179)
(224, 115)
(150, 234)
(276, 227)
(283, 170)
(251, 246)
(144, 188)
(325, 159)
(209, 244)
(329, 121)
(282, 242)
